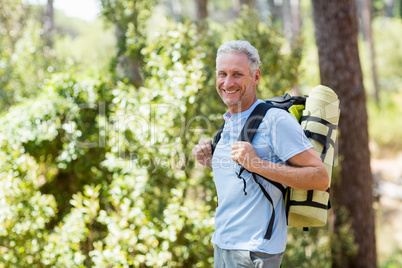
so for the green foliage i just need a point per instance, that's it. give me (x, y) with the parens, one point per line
(389, 55)
(99, 173)
(318, 247)
(42, 169)
(279, 67)
(26, 61)
(386, 116)
(343, 241)
(15, 43)
(82, 47)
(308, 248)
(130, 19)
(394, 261)
(165, 215)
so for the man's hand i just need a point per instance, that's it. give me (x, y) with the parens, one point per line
(202, 152)
(244, 154)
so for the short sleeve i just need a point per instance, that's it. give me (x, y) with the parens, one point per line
(287, 137)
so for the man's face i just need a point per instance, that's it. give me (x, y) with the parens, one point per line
(234, 82)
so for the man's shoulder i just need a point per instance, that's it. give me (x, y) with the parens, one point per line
(274, 114)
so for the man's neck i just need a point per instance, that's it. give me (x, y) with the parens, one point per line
(241, 107)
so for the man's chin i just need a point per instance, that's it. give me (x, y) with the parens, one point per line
(232, 103)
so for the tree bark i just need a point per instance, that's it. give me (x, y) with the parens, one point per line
(389, 7)
(296, 18)
(201, 9)
(174, 8)
(400, 8)
(367, 20)
(336, 33)
(127, 66)
(48, 23)
(275, 10)
(249, 3)
(238, 4)
(291, 20)
(287, 20)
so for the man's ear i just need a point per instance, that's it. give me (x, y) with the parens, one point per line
(257, 76)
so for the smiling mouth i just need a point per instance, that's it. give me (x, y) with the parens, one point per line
(230, 91)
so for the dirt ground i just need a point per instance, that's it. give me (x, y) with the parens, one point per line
(388, 185)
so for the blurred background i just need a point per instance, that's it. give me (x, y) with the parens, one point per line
(103, 100)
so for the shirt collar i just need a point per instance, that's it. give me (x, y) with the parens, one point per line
(227, 116)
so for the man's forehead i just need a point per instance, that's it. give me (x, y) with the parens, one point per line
(239, 55)
(232, 61)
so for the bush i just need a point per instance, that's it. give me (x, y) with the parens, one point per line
(100, 174)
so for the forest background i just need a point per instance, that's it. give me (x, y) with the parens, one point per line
(98, 119)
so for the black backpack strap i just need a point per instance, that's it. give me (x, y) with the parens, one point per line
(268, 234)
(217, 138)
(250, 127)
(286, 101)
(326, 141)
(247, 134)
(253, 122)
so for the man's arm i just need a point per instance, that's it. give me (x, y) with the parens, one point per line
(307, 172)
(202, 152)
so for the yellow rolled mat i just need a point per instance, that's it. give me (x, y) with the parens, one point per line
(323, 103)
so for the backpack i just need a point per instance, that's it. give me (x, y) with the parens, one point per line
(318, 115)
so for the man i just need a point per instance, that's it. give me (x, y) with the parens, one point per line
(280, 151)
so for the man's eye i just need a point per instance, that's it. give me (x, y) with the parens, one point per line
(237, 75)
(221, 74)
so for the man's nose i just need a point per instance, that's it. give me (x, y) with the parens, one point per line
(229, 81)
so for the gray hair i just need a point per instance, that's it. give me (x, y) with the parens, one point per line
(241, 46)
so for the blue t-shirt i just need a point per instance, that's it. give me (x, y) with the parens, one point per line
(241, 220)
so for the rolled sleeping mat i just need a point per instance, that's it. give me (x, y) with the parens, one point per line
(320, 122)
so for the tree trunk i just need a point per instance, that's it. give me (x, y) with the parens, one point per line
(127, 66)
(238, 4)
(296, 18)
(366, 21)
(202, 9)
(365, 17)
(336, 36)
(275, 10)
(287, 20)
(48, 23)
(389, 7)
(249, 3)
(174, 8)
(400, 8)
(291, 20)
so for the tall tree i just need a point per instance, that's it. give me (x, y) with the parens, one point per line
(249, 3)
(48, 23)
(364, 7)
(174, 8)
(336, 33)
(201, 9)
(13, 17)
(238, 5)
(389, 7)
(291, 20)
(131, 20)
(400, 8)
(275, 10)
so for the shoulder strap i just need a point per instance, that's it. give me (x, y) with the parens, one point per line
(250, 127)
(247, 134)
(217, 138)
(254, 121)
